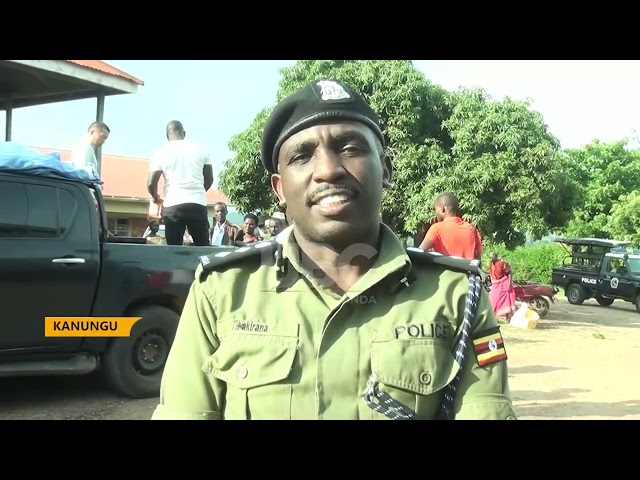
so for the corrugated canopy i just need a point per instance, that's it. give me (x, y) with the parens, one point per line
(25, 83)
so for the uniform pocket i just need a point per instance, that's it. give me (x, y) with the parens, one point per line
(255, 369)
(413, 372)
(487, 406)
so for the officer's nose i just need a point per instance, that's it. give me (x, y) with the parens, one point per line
(328, 166)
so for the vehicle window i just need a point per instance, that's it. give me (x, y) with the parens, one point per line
(28, 211)
(616, 265)
(42, 221)
(14, 206)
(68, 207)
(634, 265)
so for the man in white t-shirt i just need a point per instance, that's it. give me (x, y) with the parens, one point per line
(187, 172)
(83, 155)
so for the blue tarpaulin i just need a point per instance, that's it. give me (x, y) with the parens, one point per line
(20, 159)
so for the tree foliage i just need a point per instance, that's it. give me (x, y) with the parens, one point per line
(532, 263)
(606, 173)
(243, 178)
(497, 156)
(505, 167)
(624, 219)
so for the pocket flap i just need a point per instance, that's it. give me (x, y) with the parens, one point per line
(422, 366)
(248, 361)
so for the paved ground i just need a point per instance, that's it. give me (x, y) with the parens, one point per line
(580, 363)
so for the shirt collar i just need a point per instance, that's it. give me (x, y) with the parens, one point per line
(392, 258)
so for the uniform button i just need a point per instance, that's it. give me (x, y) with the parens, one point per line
(242, 372)
(425, 377)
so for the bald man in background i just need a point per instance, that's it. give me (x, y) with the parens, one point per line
(452, 235)
(188, 174)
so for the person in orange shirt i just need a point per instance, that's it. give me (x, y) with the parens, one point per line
(451, 235)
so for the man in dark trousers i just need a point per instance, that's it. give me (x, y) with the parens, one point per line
(188, 174)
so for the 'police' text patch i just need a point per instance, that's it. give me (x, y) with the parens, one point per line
(489, 347)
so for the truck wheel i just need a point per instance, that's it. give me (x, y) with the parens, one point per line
(605, 302)
(575, 294)
(638, 303)
(133, 365)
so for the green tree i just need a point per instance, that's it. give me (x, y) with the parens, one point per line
(505, 167)
(624, 218)
(411, 110)
(243, 178)
(496, 156)
(604, 173)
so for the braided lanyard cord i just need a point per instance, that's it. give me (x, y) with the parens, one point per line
(395, 410)
(388, 406)
(470, 310)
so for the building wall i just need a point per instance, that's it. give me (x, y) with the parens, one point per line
(128, 217)
(126, 225)
(138, 207)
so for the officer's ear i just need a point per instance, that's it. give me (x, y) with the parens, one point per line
(387, 170)
(276, 186)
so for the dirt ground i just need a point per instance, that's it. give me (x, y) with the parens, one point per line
(581, 362)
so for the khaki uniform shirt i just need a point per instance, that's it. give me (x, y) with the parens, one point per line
(250, 346)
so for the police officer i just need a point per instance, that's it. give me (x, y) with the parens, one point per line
(334, 318)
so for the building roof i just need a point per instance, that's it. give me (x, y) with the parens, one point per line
(126, 177)
(25, 83)
(104, 67)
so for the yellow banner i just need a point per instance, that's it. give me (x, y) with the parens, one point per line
(89, 326)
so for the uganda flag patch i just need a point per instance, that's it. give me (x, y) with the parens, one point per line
(489, 347)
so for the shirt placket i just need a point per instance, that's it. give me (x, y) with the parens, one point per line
(319, 371)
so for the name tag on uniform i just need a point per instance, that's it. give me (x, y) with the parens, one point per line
(256, 326)
(250, 326)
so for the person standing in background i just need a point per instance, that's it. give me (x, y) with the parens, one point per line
(498, 268)
(187, 172)
(502, 295)
(273, 226)
(223, 232)
(151, 234)
(451, 235)
(83, 155)
(284, 221)
(249, 233)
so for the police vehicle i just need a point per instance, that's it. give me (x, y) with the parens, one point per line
(606, 270)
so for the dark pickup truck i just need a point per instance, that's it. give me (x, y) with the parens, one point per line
(596, 268)
(57, 259)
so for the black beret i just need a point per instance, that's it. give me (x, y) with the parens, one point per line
(317, 101)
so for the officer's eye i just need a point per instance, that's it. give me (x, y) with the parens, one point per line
(300, 158)
(353, 149)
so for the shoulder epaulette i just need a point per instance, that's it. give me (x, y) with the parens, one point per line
(453, 263)
(230, 256)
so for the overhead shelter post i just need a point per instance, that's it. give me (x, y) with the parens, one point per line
(27, 83)
(8, 121)
(100, 118)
